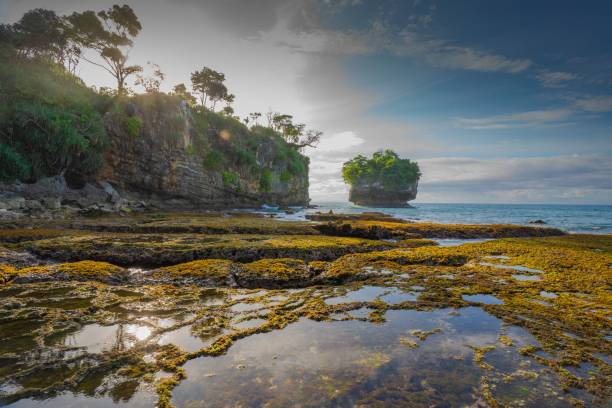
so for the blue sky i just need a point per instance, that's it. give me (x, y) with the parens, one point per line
(498, 101)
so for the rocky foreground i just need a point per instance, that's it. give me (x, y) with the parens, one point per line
(175, 289)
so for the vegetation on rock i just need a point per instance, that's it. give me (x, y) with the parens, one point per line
(385, 168)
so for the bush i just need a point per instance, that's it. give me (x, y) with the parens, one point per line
(13, 166)
(133, 126)
(213, 159)
(51, 123)
(286, 176)
(229, 178)
(245, 157)
(265, 180)
(384, 167)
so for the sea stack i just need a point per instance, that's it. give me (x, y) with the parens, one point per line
(385, 180)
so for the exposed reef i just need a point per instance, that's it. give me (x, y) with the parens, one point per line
(528, 318)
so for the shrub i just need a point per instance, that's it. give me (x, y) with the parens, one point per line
(191, 150)
(286, 176)
(245, 157)
(13, 166)
(265, 180)
(213, 159)
(229, 178)
(51, 122)
(133, 126)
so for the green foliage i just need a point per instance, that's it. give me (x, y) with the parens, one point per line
(191, 150)
(50, 123)
(229, 178)
(286, 176)
(384, 167)
(213, 160)
(133, 126)
(265, 180)
(245, 157)
(14, 166)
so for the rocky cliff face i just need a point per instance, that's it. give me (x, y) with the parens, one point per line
(376, 195)
(164, 155)
(176, 161)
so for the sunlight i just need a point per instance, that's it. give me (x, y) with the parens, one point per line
(140, 332)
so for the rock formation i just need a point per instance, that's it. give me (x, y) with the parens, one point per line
(376, 195)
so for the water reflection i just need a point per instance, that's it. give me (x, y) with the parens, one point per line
(355, 363)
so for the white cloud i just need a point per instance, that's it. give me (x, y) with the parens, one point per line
(555, 79)
(340, 141)
(595, 103)
(441, 53)
(537, 118)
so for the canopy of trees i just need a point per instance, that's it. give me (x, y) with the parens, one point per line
(385, 167)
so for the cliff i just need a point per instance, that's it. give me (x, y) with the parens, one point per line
(64, 146)
(376, 195)
(162, 151)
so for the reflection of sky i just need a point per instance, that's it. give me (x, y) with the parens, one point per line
(298, 361)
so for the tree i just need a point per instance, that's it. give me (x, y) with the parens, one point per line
(255, 117)
(295, 133)
(181, 91)
(42, 33)
(39, 32)
(208, 83)
(385, 167)
(152, 83)
(110, 33)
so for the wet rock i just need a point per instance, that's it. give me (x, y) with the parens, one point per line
(274, 273)
(51, 203)
(12, 203)
(34, 205)
(537, 222)
(377, 195)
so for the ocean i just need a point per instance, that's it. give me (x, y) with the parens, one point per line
(590, 219)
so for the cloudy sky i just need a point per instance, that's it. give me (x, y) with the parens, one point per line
(505, 101)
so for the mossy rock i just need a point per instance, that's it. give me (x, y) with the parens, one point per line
(274, 273)
(7, 273)
(395, 230)
(205, 272)
(201, 223)
(32, 234)
(79, 271)
(171, 249)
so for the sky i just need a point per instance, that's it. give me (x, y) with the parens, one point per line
(498, 102)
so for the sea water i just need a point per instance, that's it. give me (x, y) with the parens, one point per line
(591, 219)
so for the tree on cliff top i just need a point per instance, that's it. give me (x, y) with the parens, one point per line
(385, 167)
(209, 84)
(111, 34)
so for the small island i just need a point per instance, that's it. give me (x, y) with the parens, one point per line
(385, 180)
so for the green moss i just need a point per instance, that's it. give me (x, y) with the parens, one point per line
(205, 268)
(384, 229)
(82, 270)
(168, 249)
(274, 273)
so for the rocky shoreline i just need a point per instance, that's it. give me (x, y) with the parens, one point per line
(172, 288)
